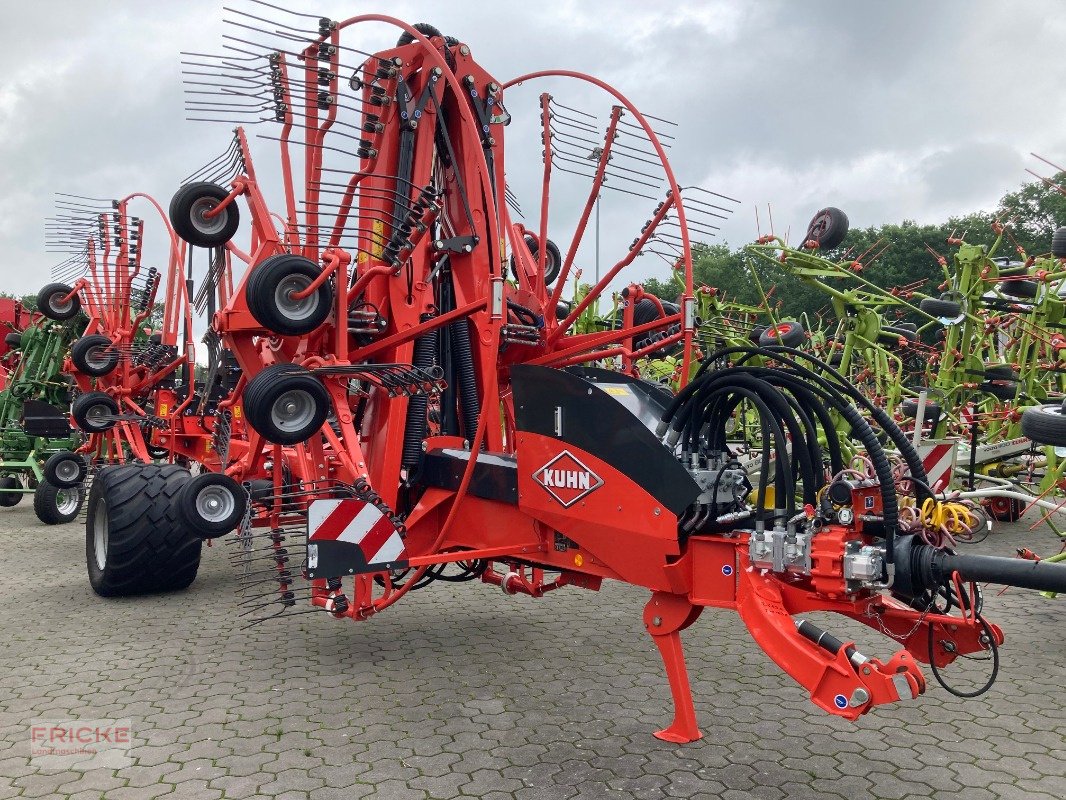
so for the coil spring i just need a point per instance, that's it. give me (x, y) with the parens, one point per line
(139, 297)
(365, 492)
(467, 379)
(416, 428)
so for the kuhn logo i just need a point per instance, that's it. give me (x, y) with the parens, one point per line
(567, 479)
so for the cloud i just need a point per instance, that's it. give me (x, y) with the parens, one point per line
(890, 110)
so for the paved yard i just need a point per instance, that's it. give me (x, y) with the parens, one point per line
(461, 691)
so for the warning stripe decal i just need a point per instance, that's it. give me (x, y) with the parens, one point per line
(333, 525)
(355, 522)
(938, 462)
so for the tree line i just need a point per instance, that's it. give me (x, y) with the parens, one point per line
(891, 254)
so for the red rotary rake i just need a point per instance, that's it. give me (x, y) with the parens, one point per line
(134, 365)
(421, 418)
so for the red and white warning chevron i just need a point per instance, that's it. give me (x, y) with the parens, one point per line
(938, 458)
(357, 523)
(968, 414)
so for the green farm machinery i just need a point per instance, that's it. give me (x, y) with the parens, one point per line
(34, 423)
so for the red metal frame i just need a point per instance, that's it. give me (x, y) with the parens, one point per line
(620, 531)
(141, 391)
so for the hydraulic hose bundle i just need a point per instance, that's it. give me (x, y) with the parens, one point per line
(795, 406)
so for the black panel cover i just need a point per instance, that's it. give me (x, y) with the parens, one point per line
(495, 475)
(43, 419)
(602, 424)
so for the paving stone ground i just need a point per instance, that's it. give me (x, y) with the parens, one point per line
(460, 691)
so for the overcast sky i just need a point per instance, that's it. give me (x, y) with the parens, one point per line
(890, 109)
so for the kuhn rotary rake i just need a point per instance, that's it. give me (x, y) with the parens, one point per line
(421, 418)
(134, 364)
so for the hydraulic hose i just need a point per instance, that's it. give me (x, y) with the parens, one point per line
(883, 420)
(679, 415)
(781, 413)
(449, 420)
(810, 401)
(808, 457)
(838, 387)
(783, 476)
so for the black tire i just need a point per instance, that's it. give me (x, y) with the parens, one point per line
(49, 302)
(261, 490)
(267, 389)
(211, 505)
(65, 469)
(755, 334)
(828, 228)
(891, 334)
(134, 543)
(56, 505)
(787, 333)
(1045, 425)
(646, 310)
(1058, 243)
(427, 30)
(1010, 269)
(999, 372)
(1002, 390)
(909, 409)
(1019, 287)
(553, 263)
(157, 452)
(269, 291)
(187, 209)
(941, 309)
(13, 340)
(94, 355)
(92, 410)
(9, 499)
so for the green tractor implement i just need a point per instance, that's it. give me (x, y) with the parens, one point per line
(34, 423)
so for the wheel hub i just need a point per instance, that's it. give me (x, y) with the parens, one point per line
(97, 415)
(293, 411)
(203, 223)
(97, 357)
(293, 308)
(67, 501)
(100, 524)
(215, 503)
(67, 470)
(57, 304)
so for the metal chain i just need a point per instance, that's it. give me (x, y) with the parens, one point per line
(879, 619)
